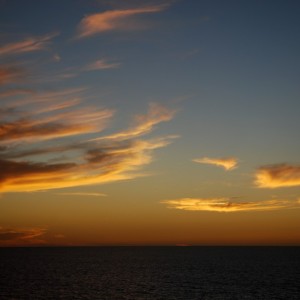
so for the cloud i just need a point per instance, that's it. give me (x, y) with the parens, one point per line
(56, 57)
(36, 132)
(27, 45)
(102, 164)
(10, 74)
(83, 194)
(228, 163)
(46, 116)
(51, 96)
(60, 125)
(21, 236)
(101, 64)
(278, 175)
(225, 205)
(144, 123)
(15, 92)
(113, 20)
(14, 152)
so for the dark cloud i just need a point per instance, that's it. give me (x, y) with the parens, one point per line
(26, 128)
(14, 169)
(21, 236)
(8, 236)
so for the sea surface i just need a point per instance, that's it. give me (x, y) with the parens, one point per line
(150, 273)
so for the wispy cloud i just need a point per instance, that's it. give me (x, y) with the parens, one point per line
(56, 57)
(48, 115)
(278, 175)
(10, 74)
(113, 20)
(30, 44)
(32, 139)
(15, 92)
(228, 163)
(143, 124)
(21, 236)
(48, 124)
(102, 64)
(102, 164)
(225, 205)
(83, 194)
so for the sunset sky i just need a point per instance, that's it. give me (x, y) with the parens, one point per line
(127, 122)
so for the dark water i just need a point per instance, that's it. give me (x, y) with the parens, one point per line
(150, 273)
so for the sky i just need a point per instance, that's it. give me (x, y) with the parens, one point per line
(126, 122)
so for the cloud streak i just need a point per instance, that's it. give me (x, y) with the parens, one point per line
(102, 64)
(21, 236)
(27, 45)
(102, 164)
(144, 124)
(10, 74)
(228, 163)
(15, 92)
(113, 20)
(225, 205)
(277, 176)
(50, 115)
(53, 126)
(83, 194)
(37, 153)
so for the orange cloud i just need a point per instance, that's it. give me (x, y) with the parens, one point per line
(144, 123)
(60, 125)
(45, 116)
(228, 163)
(112, 20)
(83, 194)
(225, 205)
(28, 45)
(21, 236)
(33, 159)
(102, 164)
(279, 175)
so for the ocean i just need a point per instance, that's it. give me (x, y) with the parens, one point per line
(150, 273)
